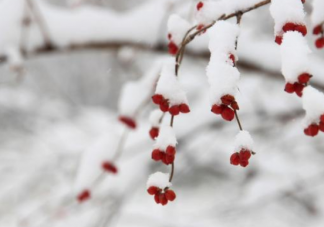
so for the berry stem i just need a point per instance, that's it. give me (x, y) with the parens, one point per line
(238, 120)
(172, 172)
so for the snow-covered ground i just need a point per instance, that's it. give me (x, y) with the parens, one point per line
(65, 102)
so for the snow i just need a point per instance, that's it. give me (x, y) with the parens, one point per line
(294, 56)
(233, 6)
(211, 11)
(243, 140)
(169, 86)
(317, 15)
(284, 11)
(155, 118)
(158, 179)
(166, 138)
(313, 104)
(135, 95)
(178, 28)
(15, 59)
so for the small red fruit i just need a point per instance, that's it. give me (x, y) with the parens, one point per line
(200, 5)
(289, 27)
(169, 159)
(322, 118)
(216, 109)
(278, 40)
(164, 105)
(289, 88)
(227, 99)
(170, 150)
(157, 155)
(235, 159)
(299, 89)
(170, 195)
(162, 199)
(245, 154)
(303, 1)
(318, 30)
(128, 121)
(169, 36)
(174, 110)
(153, 190)
(321, 126)
(234, 105)
(232, 57)
(304, 78)
(312, 130)
(244, 163)
(83, 196)
(157, 198)
(184, 108)
(173, 48)
(157, 99)
(109, 167)
(228, 114)
(319, 43)
(302, 29)
(154, 132)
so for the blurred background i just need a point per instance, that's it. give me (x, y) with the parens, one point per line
(62, 66)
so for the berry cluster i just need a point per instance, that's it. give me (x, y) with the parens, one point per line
(318, 30)
(291, 27)
(241, 158)
(166, 157)
(224, 109)
(83, 196)
(165, 106)
(129, 122)
(313, 129)
(160, 196)
(109, 167)
(299, 86)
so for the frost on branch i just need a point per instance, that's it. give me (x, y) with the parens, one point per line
(155, 120)
(318, 22)
(158, 185)
(221, 71)
(135, 94)
(295, 62)
(243, 149)
(169, 94)
(313, 104)
(164, 147)
(177, 29)
(288, 15)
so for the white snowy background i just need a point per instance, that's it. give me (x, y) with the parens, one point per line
(62, 102)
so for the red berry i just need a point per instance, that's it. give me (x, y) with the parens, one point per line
(157, 99)
(109, 167)
(304, 78)
(153, 190)
(302, 29)
(128, 121)
(162, 199)
(227, 99)
(83, 196)
(289, 27)
(164, 105)
(228, 114)
(319, 43)
(169, 36)
(321, 126)
(235, 159)
(322, 118)
(244, 163)
(154, 132)
(169, 159)
(245, 154)
(173, 48)
(170, 195)
(303, 1)
(170, 150)
(157, 155)
(299, 89)
(174, 110)
(184, 108)
(318, 29)
(289, 88)
(217, 109)
(164, 159)
(278, 40)
(312, 130)
(232, 57)
(200, 27)
(200, 5)
(157, 198)
(234, 105)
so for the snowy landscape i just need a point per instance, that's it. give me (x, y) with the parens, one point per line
(106, 120)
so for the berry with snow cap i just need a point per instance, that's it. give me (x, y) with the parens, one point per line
(243, 149)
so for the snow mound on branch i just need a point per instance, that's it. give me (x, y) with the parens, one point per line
(243, 140)
(169, 86)
(158, 179)
(233, 6)
(135, 94)
(211, 11)
(313, 104)
(284, 11)
(97, 153)
(294, 56)
(155, 117)
(318, 12)
(178, 28)
(166, 138)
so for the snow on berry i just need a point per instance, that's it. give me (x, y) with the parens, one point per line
(295, 62)
(288, 15)
(177, 29)
(169, 94)
(155, 120)
(313, 104)
(159, 180)
(243, 149)
(209, 11)
(317, 15)
(135, 94)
